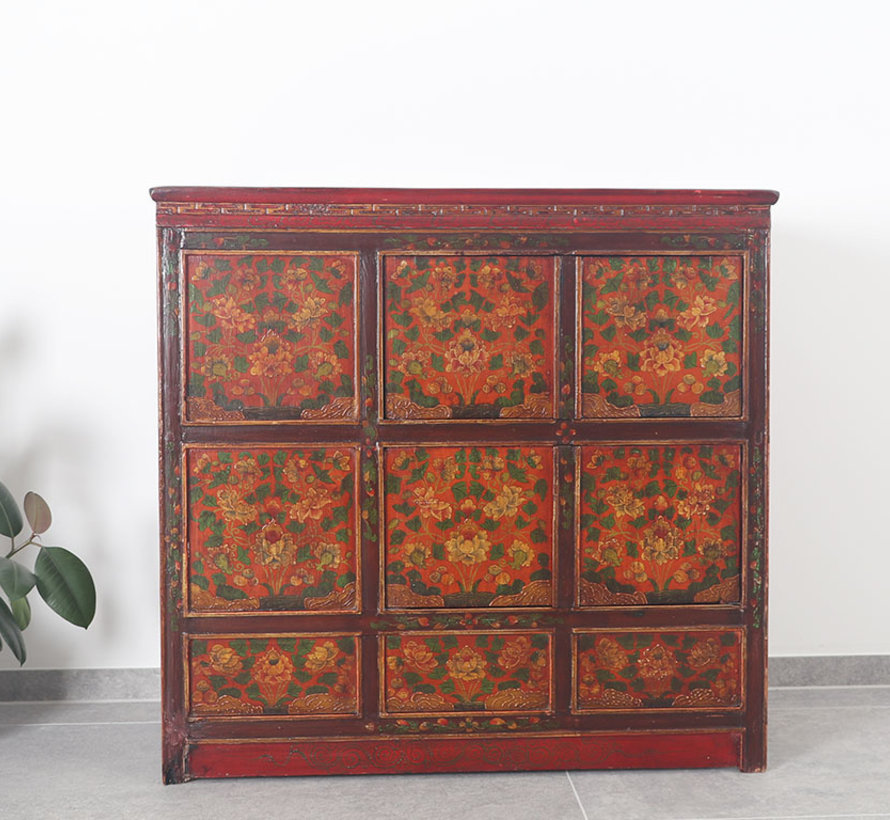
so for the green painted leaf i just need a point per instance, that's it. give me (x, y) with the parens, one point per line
(11, 522)
(15, 580)
(10, 632)
(66, 585)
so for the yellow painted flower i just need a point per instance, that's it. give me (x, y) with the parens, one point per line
(656, 663)
(234, 507)
(516, 653)
(311, 505)
(713, 363)
(625, 314)
(608, 364)
(520, 365)
(466, 664)
(507, 312)
(698, 313)
(609, 551)
(520, 554)
(247, 470)
(506, 503)
(466, 353)
(275, 548)
(430, 505)
(419, 655)
(311, 309)
(467, 549)
(325, 365)
(704, 654)
(624, 502)
(272, 358)
(273, 670)
(230, 315)
(661, 354)
(698, 501)
(417, 554)
(428, 312)
(225, 660)
(610, 655)
(327, 555)
(711, 549)
(321, 656)
(662, 542)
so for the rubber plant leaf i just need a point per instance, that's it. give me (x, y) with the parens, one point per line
(37, 512)
(10, 516)
(15, 580)
(21, 611)
(66, 585)
(10, 632)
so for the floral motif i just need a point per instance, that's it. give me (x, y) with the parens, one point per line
(661, 336)
(287, 674)
(270, 336)
(660, 522)
(652, 670)
(467, 526)
(469, 336)
(271, 529)
(445, 672)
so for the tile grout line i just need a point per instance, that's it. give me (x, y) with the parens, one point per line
(575, 792)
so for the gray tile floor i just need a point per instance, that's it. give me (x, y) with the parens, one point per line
(829, 758)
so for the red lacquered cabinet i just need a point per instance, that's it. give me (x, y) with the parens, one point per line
(462, 480)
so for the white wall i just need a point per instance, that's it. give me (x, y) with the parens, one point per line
(101, 100)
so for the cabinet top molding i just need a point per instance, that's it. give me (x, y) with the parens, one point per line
(473, 196)
(401, 209)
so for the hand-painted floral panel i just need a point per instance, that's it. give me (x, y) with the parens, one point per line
(659, 524)
(469, 337)
(468, 526)
(467, 672)
(272, 529)
(308, 675)
(661, 336)
(684, 668)
(270, 337)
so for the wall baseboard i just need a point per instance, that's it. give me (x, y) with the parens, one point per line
(145, 684)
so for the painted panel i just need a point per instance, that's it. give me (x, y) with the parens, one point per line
(309, 675)
(271, 528)
(659, 524)
(270, 337)
(684, 668)
(466, 672)
(661, 336)
(468, 526)
(469, 337)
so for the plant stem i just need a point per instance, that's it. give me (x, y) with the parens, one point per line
(16, 549)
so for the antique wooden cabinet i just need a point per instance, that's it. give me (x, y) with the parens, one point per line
(460, 480)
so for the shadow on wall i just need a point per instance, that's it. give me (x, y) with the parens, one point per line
(39, 451)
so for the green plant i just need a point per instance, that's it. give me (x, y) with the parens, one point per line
(61, 578)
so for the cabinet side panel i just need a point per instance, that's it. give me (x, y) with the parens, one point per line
(169, 318)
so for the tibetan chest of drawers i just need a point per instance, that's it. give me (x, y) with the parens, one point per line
(460, 480)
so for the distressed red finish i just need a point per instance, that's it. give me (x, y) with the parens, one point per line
(459, 480)
(272, 528)
(468, 526)
(469, 337)
(467, 672)
(659, 525)
(685, 669)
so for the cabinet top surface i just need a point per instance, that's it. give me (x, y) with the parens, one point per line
(478, 196)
